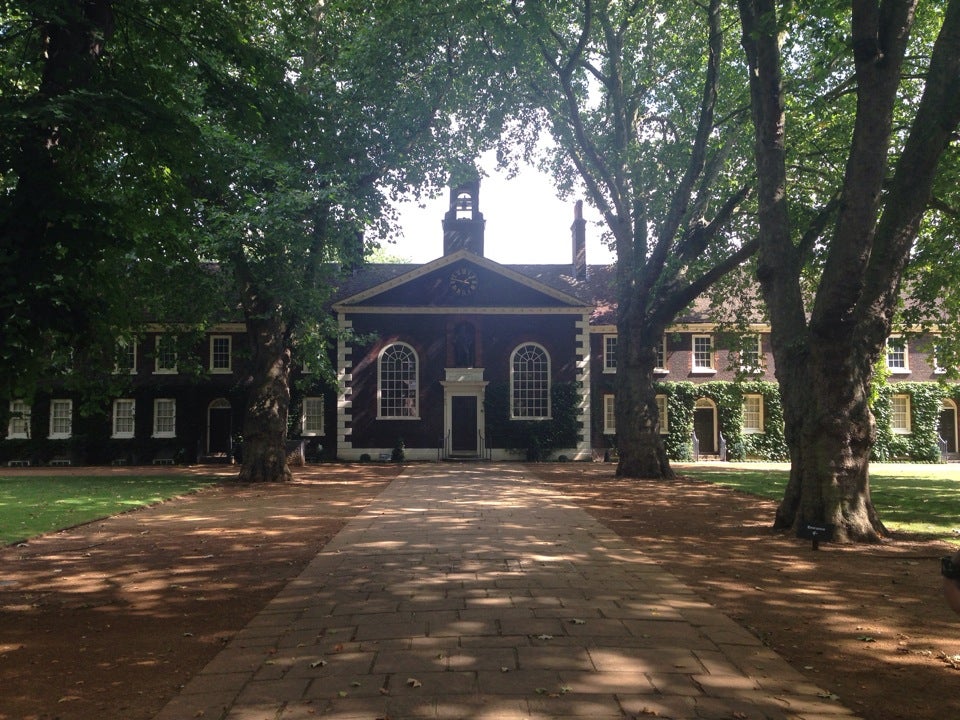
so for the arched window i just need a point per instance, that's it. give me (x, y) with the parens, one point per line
(397, 391)
(530, 383)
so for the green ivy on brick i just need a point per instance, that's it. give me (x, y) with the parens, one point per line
(728, 397)
(920, 445)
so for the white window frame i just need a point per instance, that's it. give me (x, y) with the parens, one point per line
(896, 347)
(313, 408)
(127, 347)
(609, 415)
(696, 366)
(159, 432)
(18, 426)
(519, 392)
(938, 369)
(745, 364)
(61, 410)
(903, 415)
(663, 414)
(661, 351)
(117, 416)
(610, 353)
(214, 368)
(394, 402)
(159, 369)
(756, 428)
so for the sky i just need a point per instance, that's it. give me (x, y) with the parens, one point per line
(526, 223)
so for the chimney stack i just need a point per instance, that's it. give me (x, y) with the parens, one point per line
(579, 231)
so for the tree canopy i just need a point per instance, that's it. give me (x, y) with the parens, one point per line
(143, 143)
(852, 136)
(647, 114)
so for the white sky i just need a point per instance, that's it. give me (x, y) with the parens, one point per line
(526, 224)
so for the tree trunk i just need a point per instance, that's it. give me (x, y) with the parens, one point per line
(640, 445)
(44, 255)
(268, 403)
(824, 367)
(830, 441)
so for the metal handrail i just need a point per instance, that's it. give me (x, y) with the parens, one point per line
(696, 446)
(944, 446)
(485, 452)
(723, 448)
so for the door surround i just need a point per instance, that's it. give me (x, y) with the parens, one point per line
(948, 406)
(220, 404)
(462, 382)
(710, 447)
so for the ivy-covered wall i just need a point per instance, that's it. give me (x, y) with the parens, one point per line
(680, 399)
(920, 445)
(728, 397)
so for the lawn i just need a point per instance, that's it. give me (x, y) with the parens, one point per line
(31, 505)
(909, 498)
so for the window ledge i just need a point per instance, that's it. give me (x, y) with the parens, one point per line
(163, 436)
(661, 371)
(703, 371)
(122, 436)
(899, 371)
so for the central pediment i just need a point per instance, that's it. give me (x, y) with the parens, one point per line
(459, 281)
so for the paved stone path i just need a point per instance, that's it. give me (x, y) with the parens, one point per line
(469, 592)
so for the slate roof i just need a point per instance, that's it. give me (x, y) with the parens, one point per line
(598, 290)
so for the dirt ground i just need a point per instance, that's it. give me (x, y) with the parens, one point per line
(107, 620)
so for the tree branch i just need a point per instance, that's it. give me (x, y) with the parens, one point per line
(698, 153)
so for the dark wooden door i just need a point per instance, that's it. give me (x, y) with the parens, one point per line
(703, 427)
(463, 415)
(948, 428)
(218, 437)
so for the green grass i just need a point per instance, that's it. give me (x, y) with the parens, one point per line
(31, 505)
(909, 498)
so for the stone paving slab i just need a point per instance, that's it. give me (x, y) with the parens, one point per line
(474, 592)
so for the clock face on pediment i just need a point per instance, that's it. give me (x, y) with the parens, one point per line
(459, 283)
(463, 282)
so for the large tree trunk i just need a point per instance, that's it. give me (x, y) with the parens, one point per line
(830, 441)
(43, 255)
(640, 445)
(824, 366)
(268, 403)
